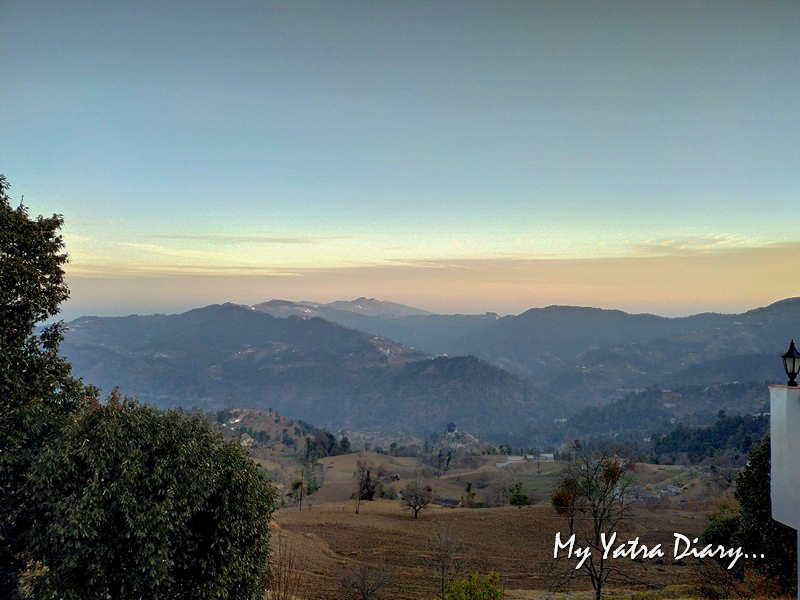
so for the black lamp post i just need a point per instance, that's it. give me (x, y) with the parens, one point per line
(791, 364)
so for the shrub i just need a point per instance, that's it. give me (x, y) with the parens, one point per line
(518, 497)
(477, 587)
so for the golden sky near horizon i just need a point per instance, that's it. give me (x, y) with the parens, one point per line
(673, 281)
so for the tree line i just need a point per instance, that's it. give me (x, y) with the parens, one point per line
(735, 435)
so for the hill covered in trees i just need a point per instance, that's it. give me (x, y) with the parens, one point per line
(225, 356)
(544, 374)
(641, 414)
(588, 356)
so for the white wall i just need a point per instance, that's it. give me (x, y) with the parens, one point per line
(785, 442)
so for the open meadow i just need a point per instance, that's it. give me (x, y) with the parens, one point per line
(518, 543)
(515, 542)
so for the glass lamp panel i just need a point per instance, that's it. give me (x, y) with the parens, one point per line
(791, 365)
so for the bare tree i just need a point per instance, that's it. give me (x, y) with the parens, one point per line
(417, 495)
(363, 582)
(499, 491)
(361, 475)
(601, 484)
(449, 558)
(441, 463)
(286, 571)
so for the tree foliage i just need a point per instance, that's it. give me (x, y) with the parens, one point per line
(753, 528)
(37, 392)
(366, 482)
(565, 501)
(133, 502)
(114, 501)
(735, 435)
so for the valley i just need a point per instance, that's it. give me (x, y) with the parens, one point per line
(515, 542)
(483, 411)
(538, 378)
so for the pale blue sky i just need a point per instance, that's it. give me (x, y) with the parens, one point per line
(183, 139)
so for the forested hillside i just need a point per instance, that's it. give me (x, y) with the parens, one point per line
(225, 356)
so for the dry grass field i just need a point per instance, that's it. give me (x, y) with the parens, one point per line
(515, 542)
(693, 488)
(518, 543)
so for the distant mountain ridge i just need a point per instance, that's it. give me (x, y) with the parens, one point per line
(437, 334)
(354, 369)
(369, 307)
(587, 356)
(223, 356)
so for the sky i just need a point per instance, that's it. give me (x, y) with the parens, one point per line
(456, 156)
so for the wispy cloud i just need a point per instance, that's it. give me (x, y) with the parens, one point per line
(164, 250)
(700, 244)
(721, 280)
(238, 239)
(115, 270)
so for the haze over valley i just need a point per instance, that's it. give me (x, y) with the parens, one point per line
(380, 366)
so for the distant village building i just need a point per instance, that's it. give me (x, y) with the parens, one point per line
(515, 460)
(512, 460)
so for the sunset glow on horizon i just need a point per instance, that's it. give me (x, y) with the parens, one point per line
(459, 157)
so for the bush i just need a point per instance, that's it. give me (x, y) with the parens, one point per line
(477, 587)
(133, 502)
(518, 497)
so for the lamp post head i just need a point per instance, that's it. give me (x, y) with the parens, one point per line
(791, 364)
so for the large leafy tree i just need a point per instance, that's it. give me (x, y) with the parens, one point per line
(37, 393)
(107, 501)
(758, 532)
(133, 502)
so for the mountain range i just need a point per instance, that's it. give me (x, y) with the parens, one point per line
(369, 364)
(588, 356)
(228, 355)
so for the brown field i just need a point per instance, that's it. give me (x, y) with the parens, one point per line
(516, 542)
(696, 491)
